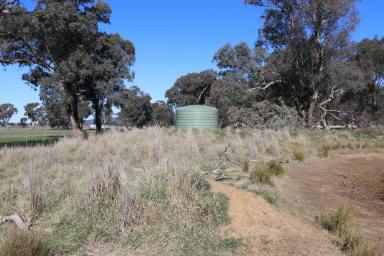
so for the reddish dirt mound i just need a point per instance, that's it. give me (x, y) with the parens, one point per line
(268, 231)
(357, 178)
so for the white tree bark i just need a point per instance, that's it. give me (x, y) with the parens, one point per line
(19, 222)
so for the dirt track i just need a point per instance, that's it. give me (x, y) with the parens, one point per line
(354, 177)
(269, 231)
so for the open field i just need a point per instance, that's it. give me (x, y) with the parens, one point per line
(145, 192)
(29, 136)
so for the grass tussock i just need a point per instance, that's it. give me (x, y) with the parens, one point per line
(264, 172)
(299, 154)
(351, 242)
(16, 242)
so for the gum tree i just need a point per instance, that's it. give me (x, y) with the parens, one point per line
(305, 37)
(61, 44)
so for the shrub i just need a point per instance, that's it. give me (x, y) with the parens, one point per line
(275, 168)
(270, 196)
(245, 165)
(23, 243)
(264, 115)
(299, 154)
(263, 172)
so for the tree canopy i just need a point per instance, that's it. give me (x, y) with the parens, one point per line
(7, 110)
(61, 44)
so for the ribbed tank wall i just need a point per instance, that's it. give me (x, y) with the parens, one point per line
(197, 116)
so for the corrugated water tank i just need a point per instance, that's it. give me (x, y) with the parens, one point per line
(197, 116)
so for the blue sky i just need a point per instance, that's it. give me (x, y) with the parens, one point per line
(174, 37)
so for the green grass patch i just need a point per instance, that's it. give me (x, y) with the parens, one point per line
(30, 137)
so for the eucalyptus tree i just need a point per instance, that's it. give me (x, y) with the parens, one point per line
(370, 58)
(305, 36)
(35, 112)
(7, 110)
(135, 107)
(61, 44)
(162, 114)
(191, 89)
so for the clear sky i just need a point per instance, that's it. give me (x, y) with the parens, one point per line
(174, 37)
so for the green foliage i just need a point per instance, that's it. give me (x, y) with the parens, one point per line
(7, 110)
(162, 114)
(275, 168)
(264, 172)
(31, 137)
(135, 105)
(35, 113)
(88, 65)
(264, 115)
(299, 154)
(270, 196)
(231, 244)
(191, 89)
(199, 183)
(261, 174)
(245, 166)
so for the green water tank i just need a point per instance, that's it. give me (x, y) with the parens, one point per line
(197, 116)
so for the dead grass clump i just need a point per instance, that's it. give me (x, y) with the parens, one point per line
(324, 150)
(351, 242)
(16, 242)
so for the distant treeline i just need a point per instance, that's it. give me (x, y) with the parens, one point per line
(302, 71)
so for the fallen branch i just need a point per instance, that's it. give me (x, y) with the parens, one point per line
(19, 222)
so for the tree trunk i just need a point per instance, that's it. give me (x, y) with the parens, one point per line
(73, 112)
(311, 110)
(98, 113)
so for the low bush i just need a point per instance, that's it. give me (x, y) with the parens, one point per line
(270, 196)
(264, 172)
(299, 154)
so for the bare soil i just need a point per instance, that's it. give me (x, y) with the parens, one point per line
(356, 178)
(266, 230)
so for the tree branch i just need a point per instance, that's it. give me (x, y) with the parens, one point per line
(265, 87)
(19, 222)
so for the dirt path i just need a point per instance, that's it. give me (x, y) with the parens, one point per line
(357, 178)
(268, 231)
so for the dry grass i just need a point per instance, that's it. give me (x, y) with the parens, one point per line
(22, 243)
(135, 189)
(351, 242)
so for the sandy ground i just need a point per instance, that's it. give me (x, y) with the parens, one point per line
(266, 230)
(353, 177)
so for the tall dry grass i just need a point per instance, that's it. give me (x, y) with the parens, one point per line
(138, 188)
(135, 189)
